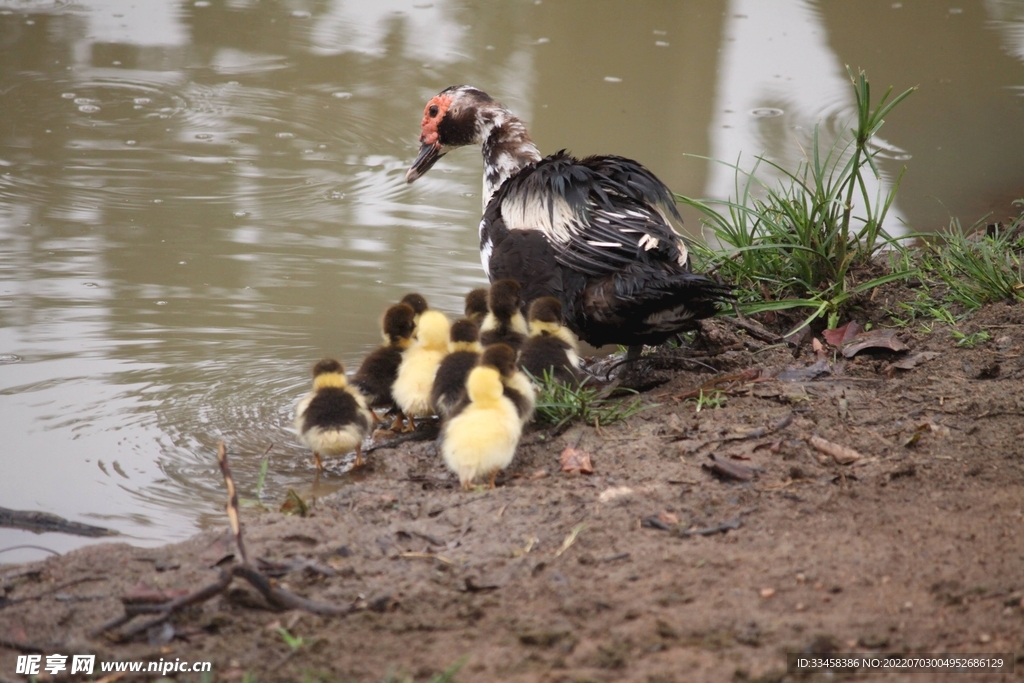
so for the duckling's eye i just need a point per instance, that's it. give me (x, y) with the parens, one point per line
(432, 111)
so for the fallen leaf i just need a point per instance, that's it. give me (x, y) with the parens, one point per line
(821, 368)
(876, 339)
(576, 461)
(841, 335)
(915, 359)
(844, 455)
(667, 517)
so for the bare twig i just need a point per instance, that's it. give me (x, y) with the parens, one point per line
(232, 506)
(754, 329)
(275, 595)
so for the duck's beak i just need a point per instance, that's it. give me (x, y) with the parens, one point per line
(428, 156)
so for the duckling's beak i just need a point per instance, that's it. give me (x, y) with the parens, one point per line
(428, 156)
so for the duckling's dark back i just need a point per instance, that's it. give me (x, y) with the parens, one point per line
(376, 375)
(476, 305)
(544, 352)
(333, 408)
(450, 381)
(378, 370)
(504, 304)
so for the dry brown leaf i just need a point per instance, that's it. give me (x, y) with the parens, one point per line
(666, 517)
(841, 335)
(576, 461)
(844, 455)
(876, 339)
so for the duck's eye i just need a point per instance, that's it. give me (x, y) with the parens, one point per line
(432, 111)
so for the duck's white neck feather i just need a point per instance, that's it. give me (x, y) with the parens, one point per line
(506, 147)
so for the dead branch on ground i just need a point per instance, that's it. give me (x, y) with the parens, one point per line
(165, 606)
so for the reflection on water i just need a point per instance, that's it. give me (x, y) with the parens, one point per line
(199, 199)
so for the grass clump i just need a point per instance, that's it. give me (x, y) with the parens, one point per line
(979, 265)
(558, 403)
(961, 271)
(796, 245)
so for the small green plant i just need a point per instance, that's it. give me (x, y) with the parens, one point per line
(446, 676)
(558, 403)
(797, 246)
(924, 308)
(260, 481)
(969, 341)
(294, 642)
(712, 399)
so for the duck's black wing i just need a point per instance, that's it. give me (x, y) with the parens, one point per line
(600, 214)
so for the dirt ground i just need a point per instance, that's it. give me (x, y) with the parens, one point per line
(655, 568)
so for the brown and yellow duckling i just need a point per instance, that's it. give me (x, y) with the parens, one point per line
(463, 353)
(379, 370)
(504, 323)
(416, 372)
(416, 302)
(480, 439)
(476, 305)
(333, 419)
(518, 387)
(551, 347)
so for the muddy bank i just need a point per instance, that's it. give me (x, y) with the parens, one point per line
(705, 545)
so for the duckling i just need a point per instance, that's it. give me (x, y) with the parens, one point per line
(416, 302)
(379, 369)
(333, 418)
(476, 305)
(463, 353)
(415, 378)
(481, 439)
(551, 347)
(504, 322)
(518, 387)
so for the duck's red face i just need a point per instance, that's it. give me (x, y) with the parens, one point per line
(435, 110)
(430, 139)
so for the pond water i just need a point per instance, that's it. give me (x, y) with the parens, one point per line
(200, 199)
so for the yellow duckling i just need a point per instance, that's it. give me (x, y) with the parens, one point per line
(415, 377)
(463, 353)
(481, 439)
(551, 347)
(333, 418)
(518, 387)
(504, 323)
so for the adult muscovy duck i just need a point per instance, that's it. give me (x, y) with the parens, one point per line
(595, 233)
